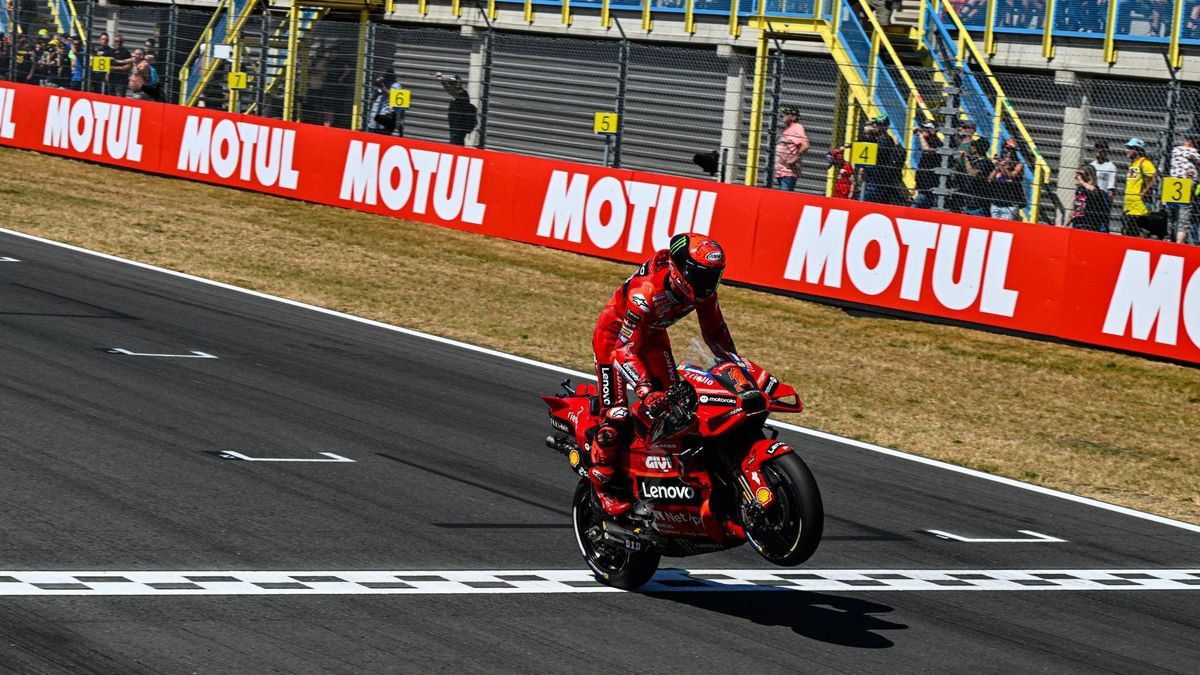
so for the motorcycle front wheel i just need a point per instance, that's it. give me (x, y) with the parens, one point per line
(790, 530)
(613, 565)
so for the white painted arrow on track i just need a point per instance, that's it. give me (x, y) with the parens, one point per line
(189, 355)
(229, 454)
(1034, 538)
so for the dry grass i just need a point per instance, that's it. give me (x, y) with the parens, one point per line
(1115, 427)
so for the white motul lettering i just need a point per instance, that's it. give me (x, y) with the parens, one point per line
(562, 210)
(7, 128)
(660, 234)
(252, 151)
(817, 247)
(473, 210)
(81, 125)
(605, 234)
(996, 299)
(58, 122)
(224, 153)
(642, 197)
(394, 194)
(1144, 300)
(104, 129)
(919, 236)
(1191, 308)
(877, 228)
(194, 148)
(447, 197)
(425, 164)
(361, 173)
(962, 293)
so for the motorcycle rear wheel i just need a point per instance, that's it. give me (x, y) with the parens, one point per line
(613, 566)
(794, 522)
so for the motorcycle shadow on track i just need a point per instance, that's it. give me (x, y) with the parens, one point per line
(835, 619)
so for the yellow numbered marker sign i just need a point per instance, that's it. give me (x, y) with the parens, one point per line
(606, 123)
(399, 98)
(1177, 190)
(237, 80)
(101, 64)
(864, 154)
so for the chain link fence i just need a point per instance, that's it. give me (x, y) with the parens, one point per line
(701, 112)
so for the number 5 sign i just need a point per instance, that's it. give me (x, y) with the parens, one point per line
(605, 123)
(1177, 190)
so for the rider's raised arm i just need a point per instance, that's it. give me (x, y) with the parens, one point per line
(637, 320)
(715, 330)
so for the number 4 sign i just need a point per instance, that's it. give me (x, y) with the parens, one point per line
(864, 154)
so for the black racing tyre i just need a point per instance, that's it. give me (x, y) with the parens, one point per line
(614, 566)
(791, 531)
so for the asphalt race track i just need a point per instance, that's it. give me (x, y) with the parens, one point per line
(140, 530)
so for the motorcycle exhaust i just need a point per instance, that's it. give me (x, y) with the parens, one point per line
(562, 444)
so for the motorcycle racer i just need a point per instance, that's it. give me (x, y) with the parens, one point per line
(632, 347)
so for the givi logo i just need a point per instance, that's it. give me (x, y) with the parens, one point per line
(7, 129)
(611, 209)
(400, 177)
(256, 152)
(825, 245)
(109, 129)
(1142, 300)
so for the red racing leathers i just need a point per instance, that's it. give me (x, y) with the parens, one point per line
(632, 348)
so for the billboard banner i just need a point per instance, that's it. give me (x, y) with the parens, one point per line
(1131, 294)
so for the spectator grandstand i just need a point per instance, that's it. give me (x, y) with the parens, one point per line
(688, 78)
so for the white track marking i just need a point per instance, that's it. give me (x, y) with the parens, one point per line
(1033, 538)
(3, 259)
(591, 376)
(189, 355)
(229, 454)
(459, 582)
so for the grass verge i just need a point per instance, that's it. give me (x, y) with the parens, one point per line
(1110, 426)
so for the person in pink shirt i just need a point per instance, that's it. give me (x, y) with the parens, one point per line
(789, 151)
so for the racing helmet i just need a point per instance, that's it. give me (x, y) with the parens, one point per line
(697, 264)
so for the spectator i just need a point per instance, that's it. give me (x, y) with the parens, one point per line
(60, 63)
(789, 151)
(927, 164)
(1007, 183)
(883, 11)
(6, 49)
(78, 65)
(153, 86)
(1106, 171)
(36, 61)
(1140, 180)
(122, 66)
(1185, 160)
(382, 118)
(102, 48)
(883, 183)
(974, 184)
(340, 85)
(843, 182)
(462, 114)
(139, 75)
(1092, 203)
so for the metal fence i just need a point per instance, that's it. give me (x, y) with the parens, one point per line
(689, 111)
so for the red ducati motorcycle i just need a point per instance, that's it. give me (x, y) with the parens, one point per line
(706, 474)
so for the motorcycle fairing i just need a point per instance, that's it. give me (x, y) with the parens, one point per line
(762, 451)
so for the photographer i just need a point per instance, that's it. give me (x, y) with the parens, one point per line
(1092, 204)
(927, 164)
(1006, 183)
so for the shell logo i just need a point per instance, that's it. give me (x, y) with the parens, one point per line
(763, 495)
(573, 458)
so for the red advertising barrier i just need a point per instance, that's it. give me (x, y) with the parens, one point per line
(1131, 294)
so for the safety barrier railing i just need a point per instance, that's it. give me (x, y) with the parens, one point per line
(274, 59)
(198, 68)
(982, 98)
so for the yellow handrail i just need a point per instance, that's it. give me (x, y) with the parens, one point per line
(1173, 55)
(1048, 30)
(75, 22)
(911, 85)
(754, 143)
(205, 38)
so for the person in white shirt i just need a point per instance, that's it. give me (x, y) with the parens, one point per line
(1185, 163)
(1106, 171)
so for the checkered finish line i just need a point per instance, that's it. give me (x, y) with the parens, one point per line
(580, 581)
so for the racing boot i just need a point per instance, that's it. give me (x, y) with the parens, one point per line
(606, 447)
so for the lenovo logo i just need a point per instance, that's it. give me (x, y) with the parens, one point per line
(401, 178)
(105, 129)
(668, 490)
(611, 210)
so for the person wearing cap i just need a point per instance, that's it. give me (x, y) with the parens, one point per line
(462, 115)
(382, 117)
(843, 181)
(927, 164)
(789, 151)
(1185, 162)
(1106, 171)
(1140, 179)
(1007, 183)
(883, 183)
